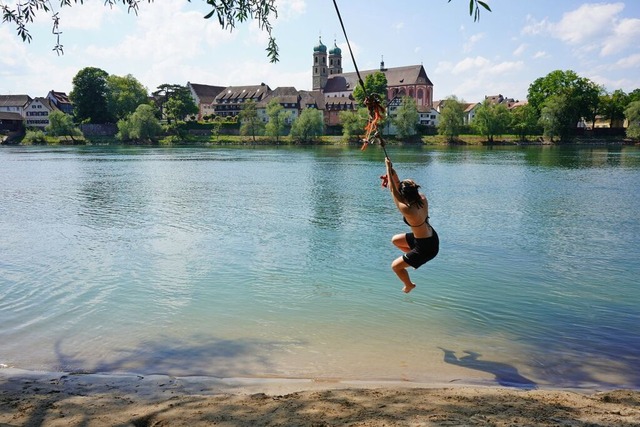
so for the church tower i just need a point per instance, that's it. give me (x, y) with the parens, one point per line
(320, 71)
(335, 60)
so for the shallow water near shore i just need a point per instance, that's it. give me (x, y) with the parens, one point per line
(273, 262)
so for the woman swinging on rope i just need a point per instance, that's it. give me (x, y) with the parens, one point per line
(422, 243)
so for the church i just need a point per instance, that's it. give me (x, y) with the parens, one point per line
(337, 87)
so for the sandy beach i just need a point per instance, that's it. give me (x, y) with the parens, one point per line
(58, 399)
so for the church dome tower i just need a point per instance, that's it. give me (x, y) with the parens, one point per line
(335, 60)
(319, 69)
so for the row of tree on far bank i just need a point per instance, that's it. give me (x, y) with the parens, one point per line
(556, 103)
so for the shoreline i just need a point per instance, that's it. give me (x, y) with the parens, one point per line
(159, 384)
(30, 398)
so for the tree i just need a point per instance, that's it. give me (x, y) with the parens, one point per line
(451, 118)
(491, 120)
(180, 105)
(162, 95)
(406, 118)
(632, 113)
(612, 107)
(353, 122)
(250, 122)
(374, 84)
(277, 119)
(524, 121)
(556, 116)
(124, 95)
(227, 12)
(34, 137)
(141, 125)
(89, 96)
(61, 124)
(308, 126)
(577, 95)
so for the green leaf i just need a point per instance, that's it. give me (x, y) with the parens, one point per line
(483, 4)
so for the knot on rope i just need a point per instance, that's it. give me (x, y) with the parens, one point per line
(376, 115)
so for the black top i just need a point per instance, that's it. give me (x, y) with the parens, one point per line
(426, 221)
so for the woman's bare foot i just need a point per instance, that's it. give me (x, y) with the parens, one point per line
(408, 288)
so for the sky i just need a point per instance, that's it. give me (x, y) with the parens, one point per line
(504, 52)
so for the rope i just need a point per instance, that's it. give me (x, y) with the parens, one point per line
(344, 31)
(376, 111)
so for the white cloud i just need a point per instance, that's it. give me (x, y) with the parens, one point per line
(11, 49)
(91, 15)
(586, 23)
(443, 67)
(520, 49)
(468, 64)
(257, 35)
(625, 34)
(184, 35)
(611, 83)
(290, 9)
(479, 76)
(534, 27)
(590, 27)
(631, 61)
(471, 41)
(505, 67)
(540, 54)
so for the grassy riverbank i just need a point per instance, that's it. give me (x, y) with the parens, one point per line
(432, 140)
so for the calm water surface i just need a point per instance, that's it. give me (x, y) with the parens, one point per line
(274, 262)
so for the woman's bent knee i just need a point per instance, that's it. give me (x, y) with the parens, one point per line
(399, 240)
(398, 264)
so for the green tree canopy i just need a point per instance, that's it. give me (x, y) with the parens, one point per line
(308, 126)
(250, 122)
(180, 104)
(578, 96)
(632, 113)
(557, 116)
(162, 95)
(612, 106)
(374, 84)
(124, 95)
(277, 119)
(89, 96)
(634, 95)
(451, 118)
(353, 122)
(524, 121)
(61, 124)
(141, 125)
(406, 118)
(491, 120)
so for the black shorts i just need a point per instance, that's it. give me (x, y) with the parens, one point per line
(422, 250)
